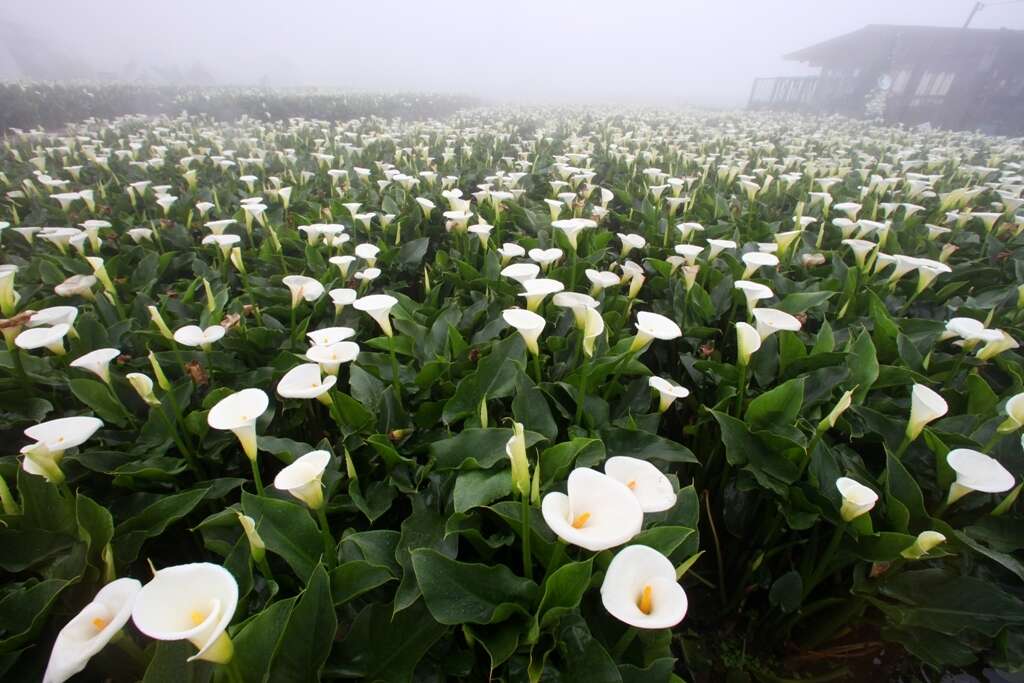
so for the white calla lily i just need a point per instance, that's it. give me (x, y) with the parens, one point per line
(650, 486)
(193, 602)
(769, 321)
(640, 589)
(91, 629)
(97, 362)
(238, 413)
(378, 307)
(303, 478)
(654, 326)
(597, 512)
(528, 324)
(925, 406)
(667, 391)
(857, 498)
(976, 472)
(193, 335)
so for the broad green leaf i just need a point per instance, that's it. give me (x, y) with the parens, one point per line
(778, 406)
(287, 529)
(309, 633)
(151, 522)
(644, 445)
(462, 592)
(474, 488)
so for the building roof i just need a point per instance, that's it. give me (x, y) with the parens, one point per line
(876, 40)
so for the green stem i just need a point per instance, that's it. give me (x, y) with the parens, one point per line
(525, 525)
(820, 572)
(234, 675)
(991, 443)
(536, 368)
(718, 549)
(264, 568)
(130, 648)
(904, 445)
(581, 396)
(557, 556)
(256, 477)
(394, 371)
(741, 389)
(325, 534)
(623, 643)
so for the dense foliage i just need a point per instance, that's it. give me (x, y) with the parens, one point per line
(827, 388)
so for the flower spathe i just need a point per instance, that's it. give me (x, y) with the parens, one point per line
(331, 356)
(238, 413)
(515, 449)
(667, 391)
(302, 287)
(857, 498)
(640, 589)
(193, 335)
(976, 471)
(378, 307)
(528, 324)
(925, 406)
(193, 602)
(654, 326)
(50, 338)
(304, 382)
(650, 486)
(303, 478)
(91, 629)
(1014, 414)
(596, 513)
(97, 362)
(748, 341)
(64, 433)
(768, 321)
(923, 544)
(143, 386)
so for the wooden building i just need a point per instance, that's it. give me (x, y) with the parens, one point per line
(954, 78)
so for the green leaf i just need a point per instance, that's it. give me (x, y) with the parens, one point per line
(798, 302)
(382, 647)
(563, 591)
(357, 577)
(644, 445)
(556, 461)
(746, 450)
(413, 251)
(461, 592)
(287, 529)
(475, 448)
(95, 526)
(863, 366)
(584, 659)
(950, 604)
(24, 610)
(97, 396)
(531, 408)
(153, 521)
(495, 377)
(259, 638)
(779, 406)
(665, 539)
(787, 591)
(474, 488)
(309, 633)
(981, 400)
(170, 664)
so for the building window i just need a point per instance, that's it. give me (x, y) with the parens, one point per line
(934, 84)
(900, 80)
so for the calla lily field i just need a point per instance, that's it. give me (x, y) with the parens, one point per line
(507, 394)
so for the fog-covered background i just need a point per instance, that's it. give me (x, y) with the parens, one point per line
(703, 52)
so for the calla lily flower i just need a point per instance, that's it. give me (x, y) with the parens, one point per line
(769, 321)
(861, 249)
(528, 324)
(331, 356)
(753, 260)
(597, 512)
(378, 307)
(571, 227)
(601, 279)
(304, 381)
(545, 257)
(667, 391)
(1014, 414)
(54, 315)
(640, 589)
(715, 247)
(218, 227)
(143, 386)
(996, 341)
(652, 488)
(77, 285)
(753, 292)
(50, 338)
(578, 303)
(330, 335)
(515, 449)
(593, 327)
(302, 287)
(925, 406)
(926, 541)
(537, 289)
(509, 251)
(748, 341)
(238, 413)
(857, 498)
(343, 263)
(690, 252)
(976, 472)
(97, 362)
(64, 433)
(91, 629)
(193, 335)
(654, 326)
(521, 272)
(303, 478)
(193, 602)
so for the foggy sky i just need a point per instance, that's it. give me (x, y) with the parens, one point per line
(704, 52)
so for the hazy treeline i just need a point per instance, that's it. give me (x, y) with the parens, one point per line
(51, 105)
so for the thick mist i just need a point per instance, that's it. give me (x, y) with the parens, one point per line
(702, 52)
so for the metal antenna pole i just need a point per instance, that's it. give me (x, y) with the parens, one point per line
(978, 6)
